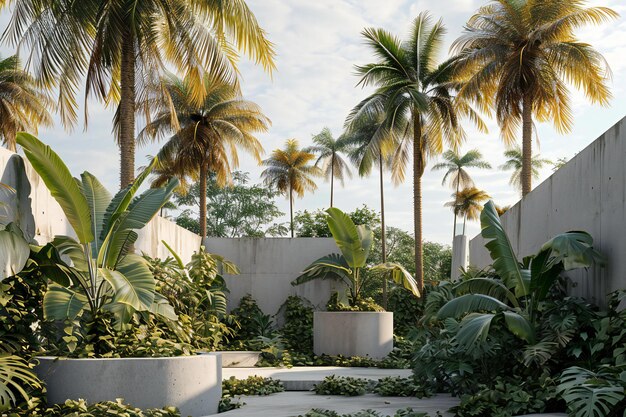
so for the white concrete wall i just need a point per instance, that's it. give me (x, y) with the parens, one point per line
(268, 265)
(588, 193)
(460, 255)
(42, 217)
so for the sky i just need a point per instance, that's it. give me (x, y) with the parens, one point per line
(318, 44)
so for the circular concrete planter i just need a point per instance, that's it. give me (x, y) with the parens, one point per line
(353, 333)
(191, 383)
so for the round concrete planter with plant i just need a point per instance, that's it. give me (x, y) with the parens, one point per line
(353, 332)
(99, 284)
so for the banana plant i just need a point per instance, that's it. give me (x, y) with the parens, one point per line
(512, 297)
(104, 274)
(354, 243)
(14, 249)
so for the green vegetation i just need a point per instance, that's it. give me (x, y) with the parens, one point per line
(515, 162)
(405, 412)
(253, 385)
(80, 408)
(342, 385)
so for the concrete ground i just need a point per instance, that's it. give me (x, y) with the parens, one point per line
(291, 404)
(302, 378)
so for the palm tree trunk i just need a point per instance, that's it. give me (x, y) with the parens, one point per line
(418, 171)
(332, 179)
(203, 184)
(527, 142)
(383, 240)
(291, 207)
(127, 111)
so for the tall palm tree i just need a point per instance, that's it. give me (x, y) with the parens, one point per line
(519, 57)
(415, 95)
(456, 170)
(120, 45)
(22, 106)
(329, 159)
(515, 163)
(205, 136)
(289, 170)
(468, 203)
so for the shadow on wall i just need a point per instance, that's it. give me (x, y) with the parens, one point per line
(17, 204)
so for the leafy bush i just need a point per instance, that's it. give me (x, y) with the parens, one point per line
(404, 412)
(80, 408)
(400, 387)
(227, 404)
(362, 304)
(589, 394)
(253, 323)
(340, 385)
(298, 329)
(407, 309)
(253, 385)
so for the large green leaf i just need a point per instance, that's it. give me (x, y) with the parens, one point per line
(399, 275)
(468, 303)
(50, 265)
(14, 252)
(354, 243)
(487, 286)
(474, 328)
(60, 303)
(133, 283)
(98, 199)
(505, 262)
(69, 247)
(15, 376)
(589, 394)
(574, 250)
(63, 187)
(333, 266)
(520, 326)
(162, 307)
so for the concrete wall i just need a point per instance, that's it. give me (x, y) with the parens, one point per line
(588, 193)
(268, 265)
(460, 255)
(38, 213)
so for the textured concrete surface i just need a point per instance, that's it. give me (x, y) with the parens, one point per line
(288, 404)
(460, 255)
(191, 383)
(239, 358)
(302, 378)
(588, 193)
(268, 265)
(353, 333)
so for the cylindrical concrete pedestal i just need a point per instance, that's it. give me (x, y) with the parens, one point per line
(191, 383)
(353, 333)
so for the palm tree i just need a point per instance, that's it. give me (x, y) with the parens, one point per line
(519, 57)
(122, 45)
(414, 95)
(329, 158)
(515, 162)
(22, 106)
(289, 171)
(205, 136)
(468, 203)
(456, 170)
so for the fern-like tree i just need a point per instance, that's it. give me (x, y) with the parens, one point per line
(121, 45)
(206, 136)
(515, 162)
(468, 203)
(289, 170)
(415, 97)
(456, 166)
(518, 58)
(23, 107)
(330, 159)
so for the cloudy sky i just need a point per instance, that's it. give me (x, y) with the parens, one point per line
(318, 44)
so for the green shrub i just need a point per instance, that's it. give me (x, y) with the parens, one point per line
(80, 408)
(362, 304)
(407, 310)
(298, 329)
(348, 386)
(227, 404)
(400, 387)
(253, 323)
(405, 412)
(253, 385)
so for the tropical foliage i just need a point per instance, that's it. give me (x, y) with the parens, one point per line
(206, 133)
(121, 47)
(354, 243)
(23, 107)
(104, 275)
(467, 204)
(515, 162)
(518, 58)
(289, 171)
(415, 99)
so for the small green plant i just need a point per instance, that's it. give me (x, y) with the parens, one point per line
(80, 408)
(340, 385)
(227, 404)
(404, 412)
(298, 329)
(400, 387)
(253, 385)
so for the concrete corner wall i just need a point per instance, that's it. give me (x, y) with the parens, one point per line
(268, 265)
(460, 255)
(37, 212)
(588, 193)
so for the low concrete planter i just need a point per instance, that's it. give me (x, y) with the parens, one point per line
(191, 383)
(239, 358)
(353, 333)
